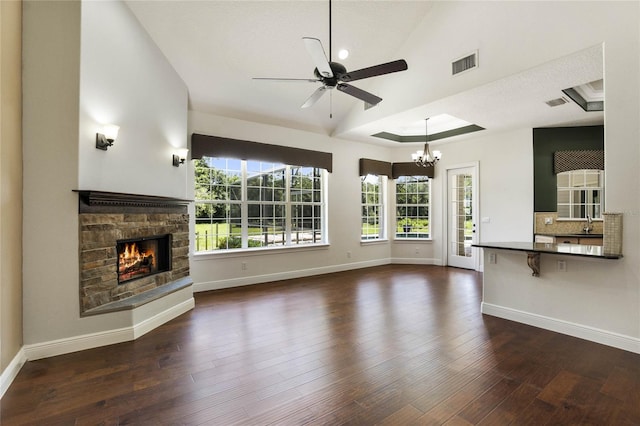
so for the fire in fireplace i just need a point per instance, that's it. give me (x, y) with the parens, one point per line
(141, 257)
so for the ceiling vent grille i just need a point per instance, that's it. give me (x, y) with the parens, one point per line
(556, 102)
(465, 63)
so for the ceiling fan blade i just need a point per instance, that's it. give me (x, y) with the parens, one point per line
(359, 93)
(309, 80)
(314, 97)
(389, 67)
(314, 47)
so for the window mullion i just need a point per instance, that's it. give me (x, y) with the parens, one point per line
(287, 207)
(244, 208)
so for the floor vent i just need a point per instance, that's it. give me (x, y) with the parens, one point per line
(466, 63)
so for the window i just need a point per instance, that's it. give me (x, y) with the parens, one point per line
(372, 195)
(250, 204)
(580, 194)
(412, 207)
(306, 204)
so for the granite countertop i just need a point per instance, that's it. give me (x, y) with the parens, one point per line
(568, 249)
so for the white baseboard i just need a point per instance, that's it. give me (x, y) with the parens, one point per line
(145, 326)
(581, 331)
(103, 338)
(415, 261)
(12, 371)
(265, 278)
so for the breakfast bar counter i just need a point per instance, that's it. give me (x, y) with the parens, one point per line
(534, 250)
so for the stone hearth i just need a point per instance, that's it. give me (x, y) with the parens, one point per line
(104, 219)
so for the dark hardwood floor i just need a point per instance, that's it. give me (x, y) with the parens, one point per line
(396, 345)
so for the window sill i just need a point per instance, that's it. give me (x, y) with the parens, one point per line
(372, 242)
(226, 254)
(412, 240)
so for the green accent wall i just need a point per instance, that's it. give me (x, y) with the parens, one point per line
(546, 141)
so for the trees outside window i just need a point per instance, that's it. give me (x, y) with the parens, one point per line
(413, 207)
(372, 207)
(250, 204)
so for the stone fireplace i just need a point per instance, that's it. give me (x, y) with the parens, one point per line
(133, 249)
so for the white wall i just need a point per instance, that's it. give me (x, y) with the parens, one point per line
(85, 62)
(586, 301)
(126, 80)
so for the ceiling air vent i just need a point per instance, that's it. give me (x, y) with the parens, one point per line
(466, 63)
(556, 102)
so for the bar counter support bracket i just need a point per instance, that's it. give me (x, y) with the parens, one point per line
(533, 260)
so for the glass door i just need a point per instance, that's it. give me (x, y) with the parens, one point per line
(461, 214)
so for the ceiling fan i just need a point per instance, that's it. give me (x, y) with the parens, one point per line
(334, 75)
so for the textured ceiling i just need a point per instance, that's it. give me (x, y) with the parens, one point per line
(218, 46)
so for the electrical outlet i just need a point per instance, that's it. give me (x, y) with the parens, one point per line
(562, 265)
(548, 221)
(493, 258)
(417, 250)
(244, 266)
(348, 255)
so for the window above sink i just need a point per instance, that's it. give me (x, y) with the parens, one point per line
(580, 194)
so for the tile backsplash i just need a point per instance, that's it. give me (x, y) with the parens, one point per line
(563, 226)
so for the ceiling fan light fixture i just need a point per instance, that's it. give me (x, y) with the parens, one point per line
(343, 54)
(334, 75)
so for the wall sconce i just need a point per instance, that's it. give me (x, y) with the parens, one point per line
(180, 157)
(105, 139)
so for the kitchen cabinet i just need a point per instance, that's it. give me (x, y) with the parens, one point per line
(587, 240)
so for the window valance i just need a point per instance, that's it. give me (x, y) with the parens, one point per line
(564, 161)
(216, 146)
(393, 170)
(374, 167)
(411, 169)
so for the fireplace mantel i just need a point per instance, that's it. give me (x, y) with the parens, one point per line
(91, 201)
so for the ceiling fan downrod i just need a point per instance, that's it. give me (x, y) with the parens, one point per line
(330, 43)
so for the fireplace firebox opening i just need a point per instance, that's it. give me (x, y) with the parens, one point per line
(142, 257)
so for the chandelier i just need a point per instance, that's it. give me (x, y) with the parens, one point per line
(424, 158)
